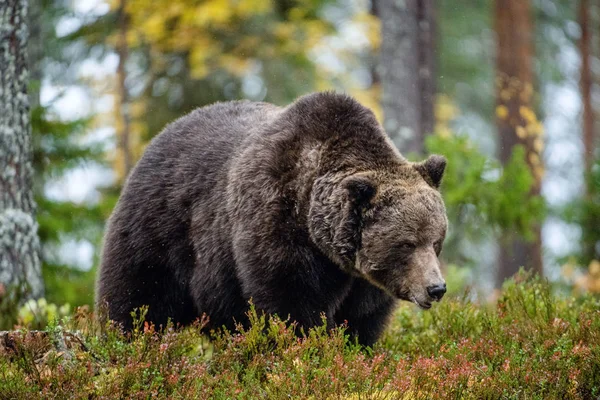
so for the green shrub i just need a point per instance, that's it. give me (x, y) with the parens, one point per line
(530, 344)
(480, 195)
(37, 314)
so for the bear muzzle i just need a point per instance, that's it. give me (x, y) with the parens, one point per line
(436, 292)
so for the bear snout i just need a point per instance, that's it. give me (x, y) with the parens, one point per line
(436, 292)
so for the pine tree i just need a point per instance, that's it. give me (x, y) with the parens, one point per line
(58, 148)
(516, 121)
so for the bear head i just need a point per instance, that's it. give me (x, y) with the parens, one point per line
(388, 227)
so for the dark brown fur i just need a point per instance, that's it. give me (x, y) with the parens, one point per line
(305, 209)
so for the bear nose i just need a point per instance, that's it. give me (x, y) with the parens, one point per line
(437, 291)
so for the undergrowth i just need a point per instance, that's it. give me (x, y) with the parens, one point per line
(530, 344)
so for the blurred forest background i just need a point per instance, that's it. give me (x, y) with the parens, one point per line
(507, 90)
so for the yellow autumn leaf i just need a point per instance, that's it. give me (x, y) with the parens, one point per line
(296, 14)
(174, 8)
(198, 58)
(445, 109)
(369, 98)
(501, 112)
(526, 93)
(535, 128)
(594, 268)
(283, 31)
(538, 145)
(137, 109)
(527, 114)
(534, 159)
(499, 80)
(568, 269)
(213, 12)
(235, 65)
(133, 38)
(594, 285)
(246, 8)
(315, 30)
(154, 27)
(372, 27)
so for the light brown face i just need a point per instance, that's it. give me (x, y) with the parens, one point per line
(402, 237)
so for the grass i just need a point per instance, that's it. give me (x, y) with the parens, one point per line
(531, 344)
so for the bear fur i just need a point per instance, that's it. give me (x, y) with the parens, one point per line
(306, 209)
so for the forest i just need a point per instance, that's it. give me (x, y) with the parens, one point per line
(507, 90)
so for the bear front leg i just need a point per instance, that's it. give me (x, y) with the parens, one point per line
(297, 309)
(366, 311)
(292, 280)
(288, 293)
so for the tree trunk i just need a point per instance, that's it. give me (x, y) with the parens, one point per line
(407, 70)
(375, 61)
(123, 98)
(516, 121)
(585, 85)
(35, 47)
(427, 65)
(19, 243)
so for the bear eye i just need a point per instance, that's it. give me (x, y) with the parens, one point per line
(407, 246)
(438, 247)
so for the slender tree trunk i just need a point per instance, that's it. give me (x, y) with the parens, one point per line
(407, 70)
(375, 61)
(585, 85)
(516, 121)
(123, 100)
(19, 243)
(36, 52)
(427, 65)
(35, 47)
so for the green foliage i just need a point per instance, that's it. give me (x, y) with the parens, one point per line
(482, 197)
(187, 54)
(38, 313)
(466, 43)
(458, 279)
(10, 299)
(58, 149)
(65, 284)
(466, 51)
(60, 146)
(531, 344)
(585, 212)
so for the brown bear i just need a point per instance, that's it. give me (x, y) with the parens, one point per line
(306, 209)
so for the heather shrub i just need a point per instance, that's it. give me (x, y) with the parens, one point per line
(531, 343)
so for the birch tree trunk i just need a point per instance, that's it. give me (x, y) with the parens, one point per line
(407, 70)
(516, 121)
(19, 243)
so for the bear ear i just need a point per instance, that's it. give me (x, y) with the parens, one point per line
(432, 169)
(347, 234)
(361, 189)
